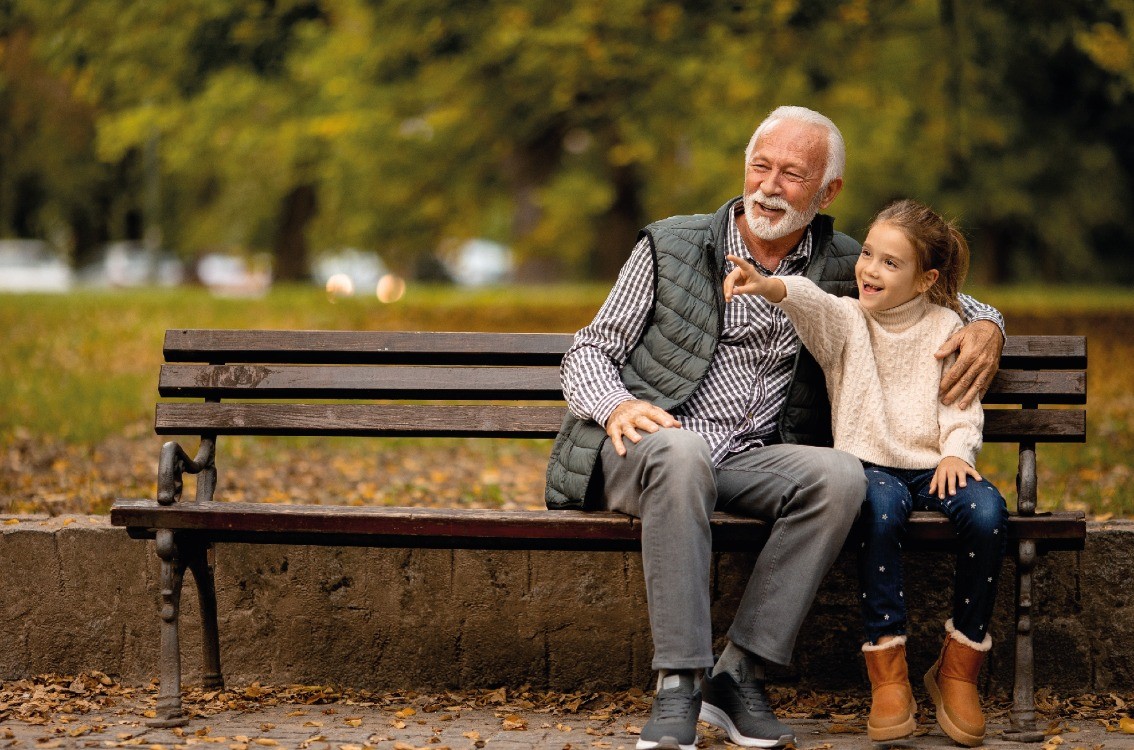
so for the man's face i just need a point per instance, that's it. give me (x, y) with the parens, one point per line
(783, 188)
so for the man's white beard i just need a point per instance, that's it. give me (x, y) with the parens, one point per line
(791, 221)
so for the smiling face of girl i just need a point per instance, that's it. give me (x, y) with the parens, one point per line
(887, 270)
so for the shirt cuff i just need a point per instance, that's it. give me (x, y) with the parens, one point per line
(607, 404)
(991, 318)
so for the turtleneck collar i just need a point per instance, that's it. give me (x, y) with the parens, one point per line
(901, 317)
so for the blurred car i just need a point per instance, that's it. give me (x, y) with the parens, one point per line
(480, 262)
(131, 264)
(363, 269)
(32, 266)
(227, 275)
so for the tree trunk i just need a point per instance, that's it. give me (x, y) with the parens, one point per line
(297, 210)
(618, 227)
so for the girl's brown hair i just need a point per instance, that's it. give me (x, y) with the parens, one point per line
(938, 244)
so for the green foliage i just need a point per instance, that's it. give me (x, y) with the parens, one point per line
(560, 127)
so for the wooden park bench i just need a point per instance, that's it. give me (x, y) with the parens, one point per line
(384, 384)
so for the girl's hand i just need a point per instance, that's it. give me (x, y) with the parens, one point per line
(951, 473)
(745, 279)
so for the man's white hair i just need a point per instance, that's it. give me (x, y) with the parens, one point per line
(836, 149)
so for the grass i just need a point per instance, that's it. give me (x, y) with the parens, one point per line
(80, 370)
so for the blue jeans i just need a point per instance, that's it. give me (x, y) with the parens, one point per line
(980, 518)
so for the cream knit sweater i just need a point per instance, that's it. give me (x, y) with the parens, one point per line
(883, 379)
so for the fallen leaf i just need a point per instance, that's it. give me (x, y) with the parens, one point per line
(512, 722)
(354, 722)
(1126, 725)
(405, 713)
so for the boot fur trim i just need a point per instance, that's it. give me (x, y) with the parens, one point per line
(899, 640)
(959, 637)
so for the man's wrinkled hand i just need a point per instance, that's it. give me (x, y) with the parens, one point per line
(631, 416)
(978, 346)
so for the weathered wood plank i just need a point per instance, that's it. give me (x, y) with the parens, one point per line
(1066, 352)
(494, 529)
(390, 420)
(409, 347)
(1039, 386)
(1040, 425)
(476, 382)
(360, 382)
(365, 347)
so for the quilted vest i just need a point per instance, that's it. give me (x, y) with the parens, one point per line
(675, 351)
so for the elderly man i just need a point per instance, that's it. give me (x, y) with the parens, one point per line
(681, 405)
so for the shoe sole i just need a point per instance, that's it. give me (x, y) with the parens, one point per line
(718, 718)
(663, 744)
(955, 733)
(898, 732)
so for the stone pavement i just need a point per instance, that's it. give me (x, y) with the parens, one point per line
(429, 724)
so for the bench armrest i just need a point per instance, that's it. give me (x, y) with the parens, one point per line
(175, 462)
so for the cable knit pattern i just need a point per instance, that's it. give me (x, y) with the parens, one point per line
(883, 379)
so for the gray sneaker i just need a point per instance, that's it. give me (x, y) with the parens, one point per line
(742, 710)
(673, 719)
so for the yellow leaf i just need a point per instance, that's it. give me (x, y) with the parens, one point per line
(473, 735)
(353, 722)
(265, 741)
(312, 723)
(1126, 725)
(405, 713)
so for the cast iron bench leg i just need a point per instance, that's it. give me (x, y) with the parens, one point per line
(1023, 713)
(202, 570)
(169, 711)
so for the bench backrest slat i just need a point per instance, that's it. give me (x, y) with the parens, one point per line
(361, 382)
(1012, 425)
(446, 378)
(408, 347)
(389, 420)
(477, 382)
(365, 347)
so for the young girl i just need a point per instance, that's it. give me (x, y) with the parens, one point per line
(882, 379)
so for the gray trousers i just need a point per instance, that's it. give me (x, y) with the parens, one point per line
(811, 496)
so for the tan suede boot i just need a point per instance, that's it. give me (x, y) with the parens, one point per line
(892, 706)
(951, 682)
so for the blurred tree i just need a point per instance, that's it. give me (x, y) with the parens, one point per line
(562, 127)
(48, 176)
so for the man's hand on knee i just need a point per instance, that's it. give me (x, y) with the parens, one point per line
(631, 416)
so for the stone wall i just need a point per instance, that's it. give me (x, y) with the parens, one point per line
(77, 594)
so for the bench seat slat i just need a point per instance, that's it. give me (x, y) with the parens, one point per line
(360, 382)
(392, 420)
(493, 529)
